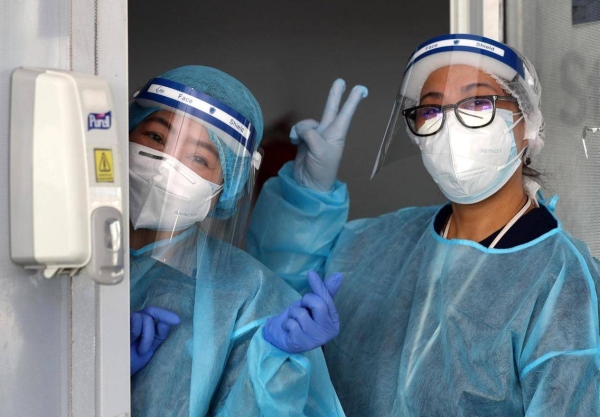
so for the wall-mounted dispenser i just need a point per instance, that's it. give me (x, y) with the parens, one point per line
(65, 179)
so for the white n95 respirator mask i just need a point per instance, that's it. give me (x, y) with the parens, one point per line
(164, 194)
(470, 165)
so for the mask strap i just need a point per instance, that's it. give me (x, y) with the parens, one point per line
(518, 157)
(219, 188)
(515, 123)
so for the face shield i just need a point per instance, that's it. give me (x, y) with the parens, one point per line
(461, 79)
(192, 165)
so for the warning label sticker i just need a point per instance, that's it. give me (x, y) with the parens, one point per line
(104, 165)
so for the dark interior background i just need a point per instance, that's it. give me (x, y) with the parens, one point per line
(288, 54)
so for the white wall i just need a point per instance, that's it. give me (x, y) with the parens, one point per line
(63, 342)
(567, 59)
(34, 313)
(288, 53)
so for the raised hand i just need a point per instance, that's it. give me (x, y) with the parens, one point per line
(321, 144)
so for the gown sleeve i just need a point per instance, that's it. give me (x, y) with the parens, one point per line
(258, 379)
(275, 383)
(559, 365)
(293, 228)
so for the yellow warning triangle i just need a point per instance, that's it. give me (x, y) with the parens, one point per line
(104, 164)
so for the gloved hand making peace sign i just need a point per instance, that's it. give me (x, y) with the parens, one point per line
(321, 144)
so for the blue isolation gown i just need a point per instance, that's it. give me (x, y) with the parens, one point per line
(216, 362)
(436, 327)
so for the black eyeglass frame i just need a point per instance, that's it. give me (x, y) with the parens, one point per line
(455, 106)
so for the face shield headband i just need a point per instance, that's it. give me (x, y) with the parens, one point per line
(476, 51)
(233, 129)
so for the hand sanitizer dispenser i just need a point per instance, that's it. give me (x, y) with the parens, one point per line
(65, 178)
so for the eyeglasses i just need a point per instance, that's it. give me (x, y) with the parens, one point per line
(472, 112)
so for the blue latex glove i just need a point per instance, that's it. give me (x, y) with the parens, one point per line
(310, 322)
(149, 328)
(321, 144)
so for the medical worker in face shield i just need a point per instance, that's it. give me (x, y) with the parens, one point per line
(199, 303)
(483, 306)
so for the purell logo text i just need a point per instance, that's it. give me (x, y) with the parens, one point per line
(99, 121)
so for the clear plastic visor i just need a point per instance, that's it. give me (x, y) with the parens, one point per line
(186, 186)
(449, 84)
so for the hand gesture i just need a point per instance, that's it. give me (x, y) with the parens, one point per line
(148, 329)
(321, 144)
(310, 322)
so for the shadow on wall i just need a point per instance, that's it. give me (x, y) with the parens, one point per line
(288, 54)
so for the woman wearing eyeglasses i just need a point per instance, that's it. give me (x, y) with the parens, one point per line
(482, 306)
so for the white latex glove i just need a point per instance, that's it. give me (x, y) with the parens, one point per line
(321, 144)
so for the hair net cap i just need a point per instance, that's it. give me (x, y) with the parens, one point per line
(232, 93)
(510, 69)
